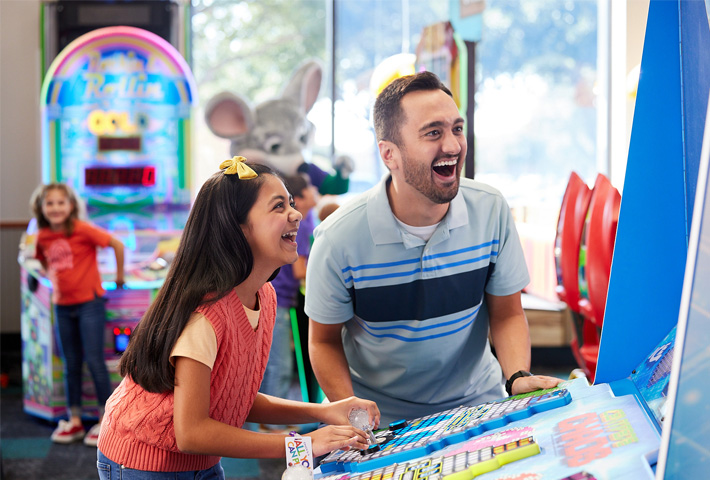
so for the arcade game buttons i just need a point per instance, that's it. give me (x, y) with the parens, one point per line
(371, 449)
(397, 425)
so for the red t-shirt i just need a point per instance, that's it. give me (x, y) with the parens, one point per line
(71, 262)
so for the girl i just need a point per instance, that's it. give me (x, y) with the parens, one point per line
(66, 248)
(194, 364)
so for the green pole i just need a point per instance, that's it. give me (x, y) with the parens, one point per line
(299, 355)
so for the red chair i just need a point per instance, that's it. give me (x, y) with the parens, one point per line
(570, 223)
(596, 252)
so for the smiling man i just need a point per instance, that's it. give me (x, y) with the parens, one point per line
(406, 282)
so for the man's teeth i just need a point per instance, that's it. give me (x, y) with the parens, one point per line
(445, 163)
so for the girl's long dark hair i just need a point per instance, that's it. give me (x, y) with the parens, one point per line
(213, 257)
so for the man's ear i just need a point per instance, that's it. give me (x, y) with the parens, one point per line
(389, 153)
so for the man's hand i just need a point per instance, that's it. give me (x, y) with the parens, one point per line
(532, 383)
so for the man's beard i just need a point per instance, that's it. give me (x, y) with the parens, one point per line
(419, 176)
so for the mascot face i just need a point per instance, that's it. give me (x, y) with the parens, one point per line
(276, 132)
(280, 137)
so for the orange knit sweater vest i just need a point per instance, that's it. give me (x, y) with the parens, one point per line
(137, 430)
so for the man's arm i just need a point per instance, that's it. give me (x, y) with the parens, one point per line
(511, 339)
(325, 346)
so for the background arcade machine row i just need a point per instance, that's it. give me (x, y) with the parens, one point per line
(116, 109)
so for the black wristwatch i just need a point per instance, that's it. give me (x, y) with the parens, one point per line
(514, 377)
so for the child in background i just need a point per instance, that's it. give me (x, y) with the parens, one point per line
(66, 248)
(315, 394)
(195, 361)
(279, 369)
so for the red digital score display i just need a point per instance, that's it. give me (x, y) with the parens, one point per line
(119, 176)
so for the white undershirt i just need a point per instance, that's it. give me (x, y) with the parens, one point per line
(424, 233)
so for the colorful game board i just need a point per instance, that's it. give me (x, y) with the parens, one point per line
(464, 465)
(404, 441)
(595, 435)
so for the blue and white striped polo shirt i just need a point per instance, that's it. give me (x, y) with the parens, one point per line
(416, 324)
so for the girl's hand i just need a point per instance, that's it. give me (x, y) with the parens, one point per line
(336, 413)
(334, 437)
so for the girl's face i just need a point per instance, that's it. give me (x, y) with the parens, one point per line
(272, 225)
(56, 208)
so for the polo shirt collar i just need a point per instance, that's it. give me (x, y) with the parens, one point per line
(384, 228)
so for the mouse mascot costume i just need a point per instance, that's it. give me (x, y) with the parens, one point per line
(276, 132)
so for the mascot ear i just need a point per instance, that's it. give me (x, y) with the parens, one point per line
(304, 86)
(228, 116)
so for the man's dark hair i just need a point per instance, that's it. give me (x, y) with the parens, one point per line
(388, 113)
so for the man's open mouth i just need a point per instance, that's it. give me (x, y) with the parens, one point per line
(445, 168)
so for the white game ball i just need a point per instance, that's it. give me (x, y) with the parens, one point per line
(297, 472)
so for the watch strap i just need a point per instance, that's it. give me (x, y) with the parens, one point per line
(514, 377)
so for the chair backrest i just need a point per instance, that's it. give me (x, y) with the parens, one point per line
(597, 249)
(570, 223)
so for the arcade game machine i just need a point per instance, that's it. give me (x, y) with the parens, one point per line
(647, 416)
(684, 453)
(116, 111)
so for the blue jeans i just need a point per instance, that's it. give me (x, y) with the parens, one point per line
(279, 369)
(110, 470)
(81, 337)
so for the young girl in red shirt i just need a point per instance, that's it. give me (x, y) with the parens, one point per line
(195, 361)
(66, 248)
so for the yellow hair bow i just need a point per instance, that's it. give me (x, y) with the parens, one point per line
(236, 165)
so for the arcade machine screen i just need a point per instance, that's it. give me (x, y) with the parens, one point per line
(687, 424)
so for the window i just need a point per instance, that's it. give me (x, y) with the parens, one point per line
(536, 114)
(535, 117)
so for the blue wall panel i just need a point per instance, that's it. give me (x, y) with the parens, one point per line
(651, 242)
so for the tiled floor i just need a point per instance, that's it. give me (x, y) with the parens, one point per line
(28, 453)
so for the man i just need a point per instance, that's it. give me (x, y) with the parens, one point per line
(404, 281)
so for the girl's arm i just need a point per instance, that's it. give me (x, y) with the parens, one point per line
(268, 409)
(118, 249)
(197, 433)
